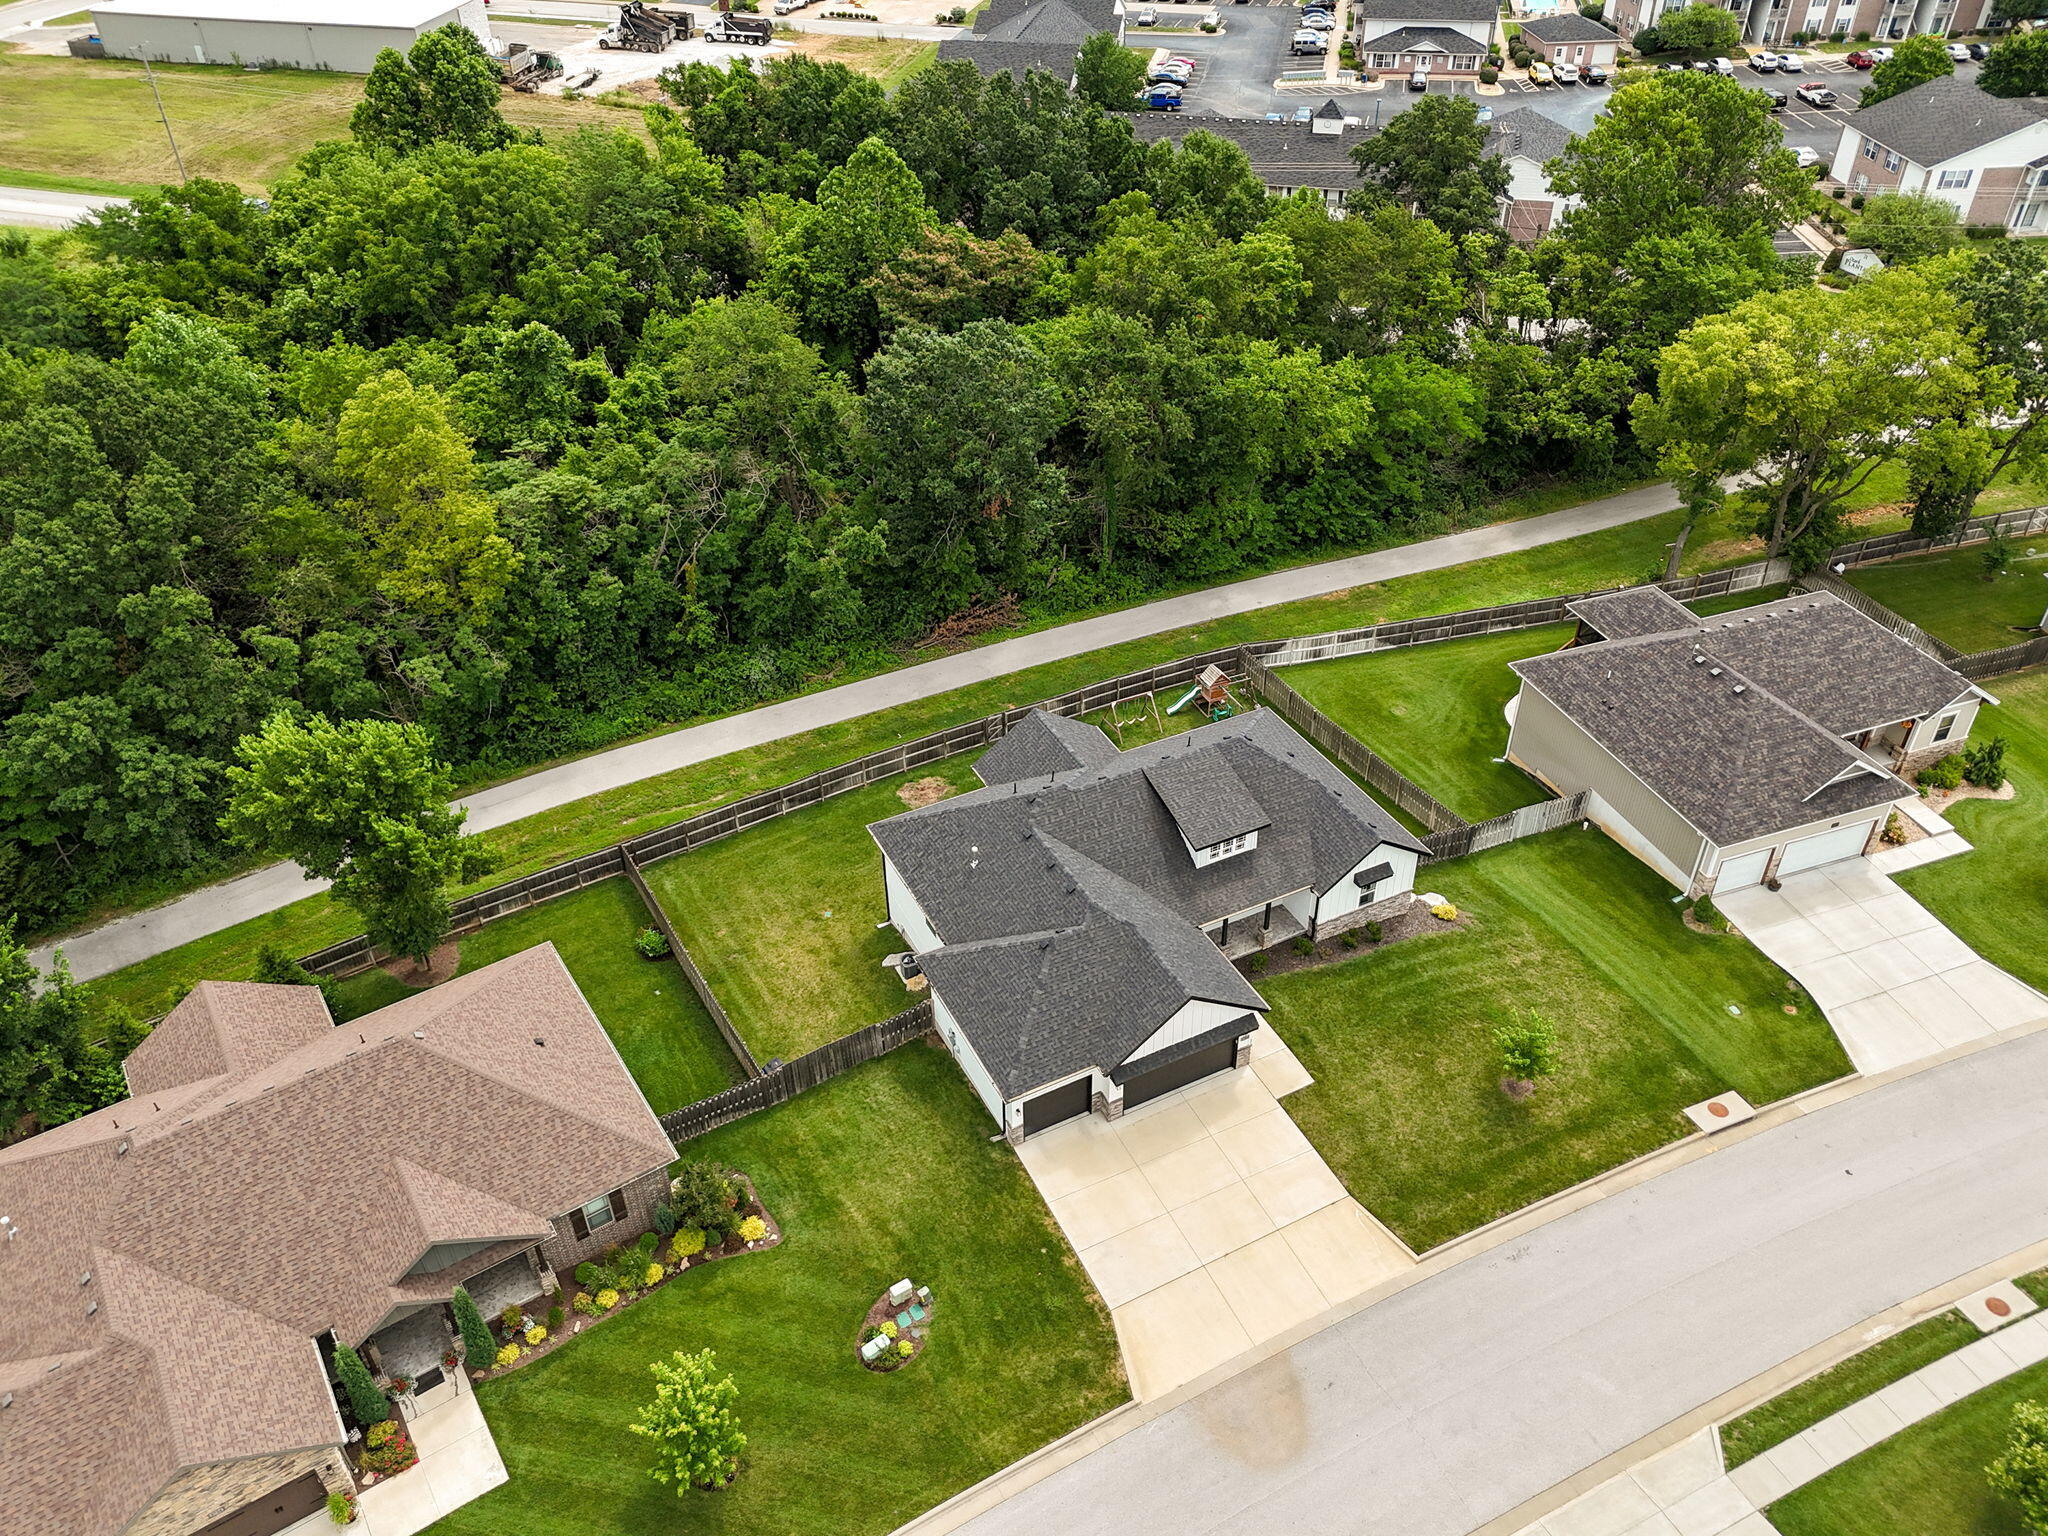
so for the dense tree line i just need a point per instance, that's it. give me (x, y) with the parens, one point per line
(534, 445)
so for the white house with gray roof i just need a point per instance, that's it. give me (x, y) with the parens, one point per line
(1988, 155)
(1728, 751)
(1445, 38)
(1077, 919)
(1528, 141)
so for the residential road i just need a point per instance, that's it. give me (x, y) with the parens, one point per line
(1458, 1399)
(129, 939)
(50, 210)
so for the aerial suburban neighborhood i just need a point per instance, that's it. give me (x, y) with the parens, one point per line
(1141, 767)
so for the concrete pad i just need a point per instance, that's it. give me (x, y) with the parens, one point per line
(1073, 1156)
(1128, 1265)
(1756, 908)
(1890, 964)
(1282, 1073)
(1219, 1223)
(466, 1470)
(1852, 927)
(1859, 882)
(1941, 1010)
(1685, 1468)
(1836, 1439)
(1950, 1379)
(1872, 1420)
(1656, 1525)
(1796, 1461)
(2024, 1345)
(1232, 1099)
(1984, 1360)
(1939, 948)
(1792, 944)
(1711, 1510)
(2005, 1001)
(1911, 1399)
(1996, 1305)
(1835, 981)
(1612, 1509)
(1900, 915)
(1761, 1481)
(1291, 1190)
(1103, 1209)
(399, 1506)
(1752, 1525)
(1190, 1173)
(1812, 893)
(1267, 1287)
(1344, 1250)
(1176, 1332)
(1720, 1112)
(1266, 1041)
(1151, 1131)
(1879, 1034)
(1262, 1143)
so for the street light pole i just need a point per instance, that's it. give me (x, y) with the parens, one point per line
(161, 113)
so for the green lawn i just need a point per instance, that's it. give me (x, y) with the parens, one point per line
(1406, 1105)
(1948, 596)
(1927, 1480)
(1992, 896)
(668, 1041)
(1867, 1371)
(781, 918)
(881, 1173)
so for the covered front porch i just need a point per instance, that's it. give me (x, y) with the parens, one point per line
(1246, 933)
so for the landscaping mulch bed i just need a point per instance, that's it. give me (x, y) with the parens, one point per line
(1939, 800)
(1413, 923)
(574, 1323)
(441, 966)
(885, 1311)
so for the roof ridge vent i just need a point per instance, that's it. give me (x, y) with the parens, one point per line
(1713, 671)
(1742, 687)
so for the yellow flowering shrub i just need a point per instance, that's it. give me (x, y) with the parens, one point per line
(654, 1274)
(508, 1354)
(1445, 911)
(753, 1229)
(687, 1243)
(888, 1330)
(536, 1334)
(607, 1298)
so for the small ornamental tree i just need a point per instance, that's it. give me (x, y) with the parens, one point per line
(691, 1422)
(365, 1399)
(477, 1343)
(1700, 26)
(1528, 1050)
(704, 1197)
(1109, 74)
(2021, 1474)
(1914, 61)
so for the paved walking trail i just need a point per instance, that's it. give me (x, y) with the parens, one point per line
(129, 939)
(1460, 1398)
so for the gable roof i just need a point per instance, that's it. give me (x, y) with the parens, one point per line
(1568, 27)
(1018, 36)
(1282, 153)
(180, 1252)
(1420, 40)
(1425, 10)
(1527, 134)
(1070, 913)
(1940, 119)
(1043, 743)
(1632, 611)
(1737, 721)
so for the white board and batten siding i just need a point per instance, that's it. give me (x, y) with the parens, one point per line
(906, 914)
(1345, 896)
(1189, 1020)
(963, 1051)
(1961, 715)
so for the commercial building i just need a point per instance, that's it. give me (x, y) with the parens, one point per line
(325, 35)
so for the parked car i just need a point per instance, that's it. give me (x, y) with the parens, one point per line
(1790, 64)
(1979, 52)
(1594, 74)
(1567, 74)
(1814, 94)
(1145, 19)
(1307, 41)
(1539, 74)
(1806, 158)
(1704, 66)
(1880, 55)
(1418, 80)
(1317, 20)
(1725, 67)
(1160, 98)
(1166, 74)
(1774, 101)
(1764, 63)
(1959, 53)
(1862, 59)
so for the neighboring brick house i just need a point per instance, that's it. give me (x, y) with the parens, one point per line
(1528, 141)
(1569, 38)
(1077, 918)
(182, 1263)
(1988, 155)
(1017, 36)
(1445, 38)
(1312, 151)
(1724, 751)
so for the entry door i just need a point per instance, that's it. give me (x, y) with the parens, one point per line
(1744, 869)
(1826, 848)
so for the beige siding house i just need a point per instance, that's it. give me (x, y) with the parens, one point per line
(1987, 155)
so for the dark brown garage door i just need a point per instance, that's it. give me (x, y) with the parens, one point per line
(1062, 1103)
(1178, 1074)
(274, 1511)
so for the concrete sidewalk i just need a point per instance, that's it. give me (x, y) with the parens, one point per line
(129, 939)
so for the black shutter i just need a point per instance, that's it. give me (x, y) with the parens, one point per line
(578, 1225)
(618, 1205)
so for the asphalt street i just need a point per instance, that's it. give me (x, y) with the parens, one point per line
(129, 939)
(1471, 1392)
(49, 210)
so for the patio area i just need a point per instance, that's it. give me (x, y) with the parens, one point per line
(1207, 1221)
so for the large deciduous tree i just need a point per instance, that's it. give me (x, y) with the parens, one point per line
(1432, 159)
(364, 805)
(2005, 285)
(1702, 27)
(1906, 226)
(1914, 61)
(2018, 66)
(443, 90)
(60, 1053)
(869, 211)
(1109, 74)
(1809, 392)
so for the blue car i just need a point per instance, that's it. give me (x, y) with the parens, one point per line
(1160, 98)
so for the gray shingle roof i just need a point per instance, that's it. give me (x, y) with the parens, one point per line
(1527, 133)
(1420, 40)
(1943, 118)
(1207, 801)
(1017, 36)
(1568, 27)
(1424, 10)
(1285, 154)
(1093, 863)
(1633, 611)
(1043, 743)
(1737, 721)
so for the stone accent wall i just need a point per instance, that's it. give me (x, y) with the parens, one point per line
(1913, 762)
(564, 1251)
(199, 1496)
(1372, 912)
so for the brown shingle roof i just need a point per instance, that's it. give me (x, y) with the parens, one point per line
(227, 1221)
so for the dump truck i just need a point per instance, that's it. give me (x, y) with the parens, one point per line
(644, 29)
(524, 68)
(757, 30)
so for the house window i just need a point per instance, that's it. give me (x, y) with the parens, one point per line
(1952, 179)
(1892, 161)
(1229, 846)
(1384, 60)
(601, 1212)
(1870, 149)
(1944, 727)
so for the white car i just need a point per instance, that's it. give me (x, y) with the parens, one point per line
(1807, 158)
(1317, 21)
(1763, 62)
(1725, 66)
(1879, 56)
(1567, 74)
(1959, 53)
(1790, 64)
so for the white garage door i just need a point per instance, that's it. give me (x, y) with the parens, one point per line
(1827, 848)
(1742, 870)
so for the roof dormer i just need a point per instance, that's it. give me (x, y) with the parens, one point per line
(1217, 816)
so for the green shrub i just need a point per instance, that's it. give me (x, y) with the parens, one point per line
(512, 1319)
(555, 1316)
(1348, 938)
(646, 1243)
(586, 1274)
(2021, 1474)
(1705, 913)
(664, 1218)
(476, 1338)
(1943, 773)
(688, 1242)
(1257, 965)
(1489, 75)
(1528, 1048)
(1375, 931)
(652, 943)
(341, 1507)
(704, 1196)
(1984, 764)
(1302, 945)
(365, 1400)
(1996, 558)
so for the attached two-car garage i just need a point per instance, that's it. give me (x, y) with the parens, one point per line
(1829, 847)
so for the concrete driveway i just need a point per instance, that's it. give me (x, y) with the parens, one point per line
(1894, 981)
(1207, 1221)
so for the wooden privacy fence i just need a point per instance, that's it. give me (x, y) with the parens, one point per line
(790, 1079)
(2007, 658)
(1528, 821)
(681, 951)
(1977, 530)
(1349, 750)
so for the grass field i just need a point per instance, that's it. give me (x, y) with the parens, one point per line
(883, 1172)
(1406, 1105)
(668, 1041)
(781, 918)
(1948, 595)
(1867, 1371)
(1927, 1480)
(1992, 896)
(90, 124)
